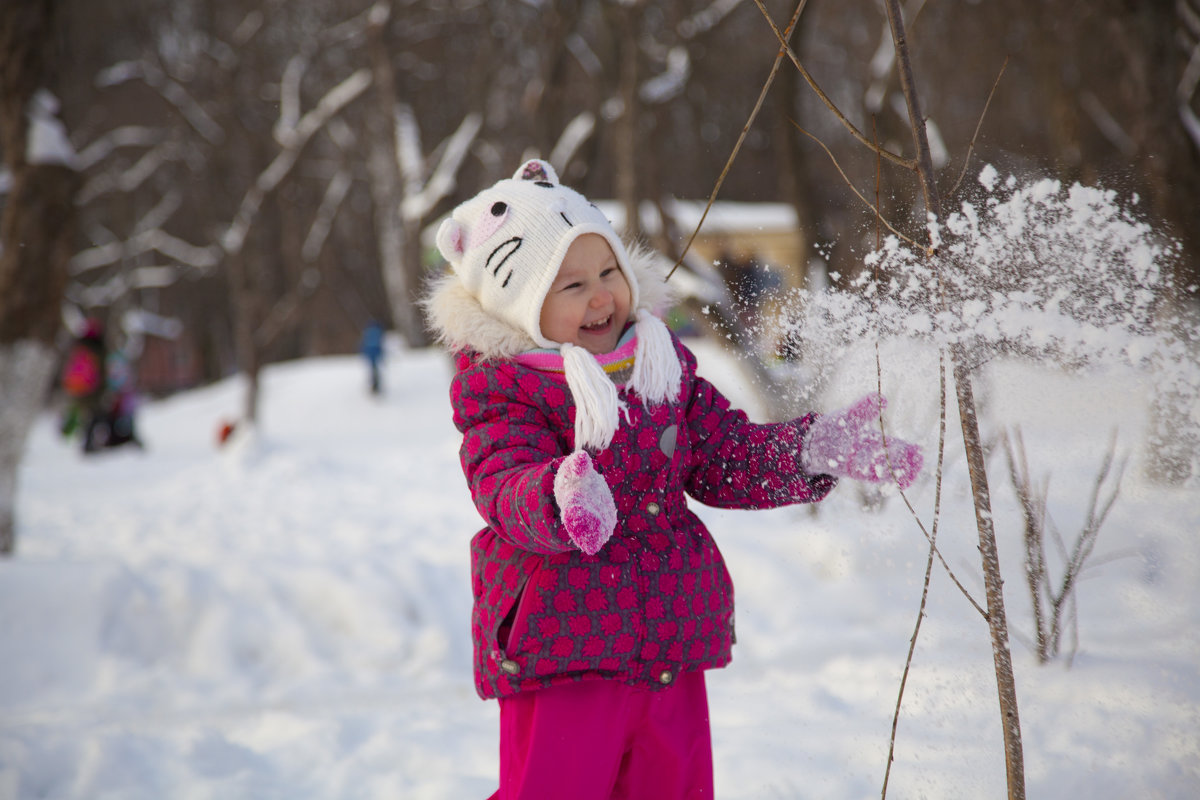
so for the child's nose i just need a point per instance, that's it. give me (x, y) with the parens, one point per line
(601, 297)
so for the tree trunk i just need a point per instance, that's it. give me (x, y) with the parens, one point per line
(394, 249)
(972, 443)
(36, 234)
(244, 291)
(627, 125)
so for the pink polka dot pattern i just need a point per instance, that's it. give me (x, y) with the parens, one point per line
(657, 598)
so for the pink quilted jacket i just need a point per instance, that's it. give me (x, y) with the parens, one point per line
(657, 599)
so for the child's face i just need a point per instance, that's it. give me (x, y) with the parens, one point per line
(588, 303)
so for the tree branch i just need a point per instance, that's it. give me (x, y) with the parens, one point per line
(858, 194)
(978, 126)
(762, 96)
(334, 101)
(854, 131)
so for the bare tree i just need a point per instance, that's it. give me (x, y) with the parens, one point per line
(35, 233)
(972, 442)
(922, 167)
(405, 190)
(1052, 599)
(209, 132)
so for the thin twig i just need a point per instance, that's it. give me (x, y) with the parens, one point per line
(978, 127)
(933, 550)
(1033, 508)
(857, 193)
(912, 643)
(907, 163)
(762, 96)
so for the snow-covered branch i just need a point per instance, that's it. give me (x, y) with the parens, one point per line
(408, 150)
(125, 136)
(128, 179)
(445, 176)
(296, 137)
(1189, 81)
(1107, 124)
(162, 211)
(156, 240)
(106, 293)
(670, 83)
(289, 99)
(707, 18)
(577, 131)
(318, 232)
(170, 90)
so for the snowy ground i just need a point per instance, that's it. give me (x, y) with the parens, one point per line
(288, 617)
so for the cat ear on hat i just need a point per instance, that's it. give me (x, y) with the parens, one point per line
(536, 170)
(451, 240)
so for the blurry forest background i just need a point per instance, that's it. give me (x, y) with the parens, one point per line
(253, 179)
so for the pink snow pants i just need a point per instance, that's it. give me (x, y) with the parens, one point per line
(603, 740)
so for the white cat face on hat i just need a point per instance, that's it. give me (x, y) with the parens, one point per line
(506, 243)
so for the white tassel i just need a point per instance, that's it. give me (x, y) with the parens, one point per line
(656, 369)
(596, 403)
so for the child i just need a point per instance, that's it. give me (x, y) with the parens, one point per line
(84, 381)
(600, 598)
(371, 346)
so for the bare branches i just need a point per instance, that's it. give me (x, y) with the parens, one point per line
(762, 95)
(1050, 604)
(295, 137)
(171, 91)
(124, 136)
(874, 208)
(1189, 81)
(972, 442)
(854, 131)
(576, 132)
(422, 196)
(932, 537)
(978, 126)
(152, 240)
(916, 119)
(331, 201)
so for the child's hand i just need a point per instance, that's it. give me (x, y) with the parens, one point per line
(585, 502)
(848, 443)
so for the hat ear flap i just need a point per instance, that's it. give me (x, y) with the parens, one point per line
(451, 240)
(536, 170)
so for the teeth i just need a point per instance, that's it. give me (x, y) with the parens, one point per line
(598, 323)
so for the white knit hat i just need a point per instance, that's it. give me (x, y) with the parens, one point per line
(506, 245)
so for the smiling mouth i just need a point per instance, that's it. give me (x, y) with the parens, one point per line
(598, 326)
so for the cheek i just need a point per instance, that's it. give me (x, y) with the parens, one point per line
(625, 298)
(558, 315)
(625, 293)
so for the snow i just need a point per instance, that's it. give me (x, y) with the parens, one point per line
(670, 83)
(288, 617)
(47, 141)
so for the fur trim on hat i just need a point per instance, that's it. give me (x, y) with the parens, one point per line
(460, 322)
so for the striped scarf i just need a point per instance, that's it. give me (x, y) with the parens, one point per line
(644, 362)
(617, 365)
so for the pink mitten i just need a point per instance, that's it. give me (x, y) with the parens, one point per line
(585, 502)
(848, 443)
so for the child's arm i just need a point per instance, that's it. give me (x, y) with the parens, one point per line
(522, 485)
(739, 464)
(736, 463)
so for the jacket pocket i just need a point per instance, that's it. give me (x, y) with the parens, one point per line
(514, 625)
